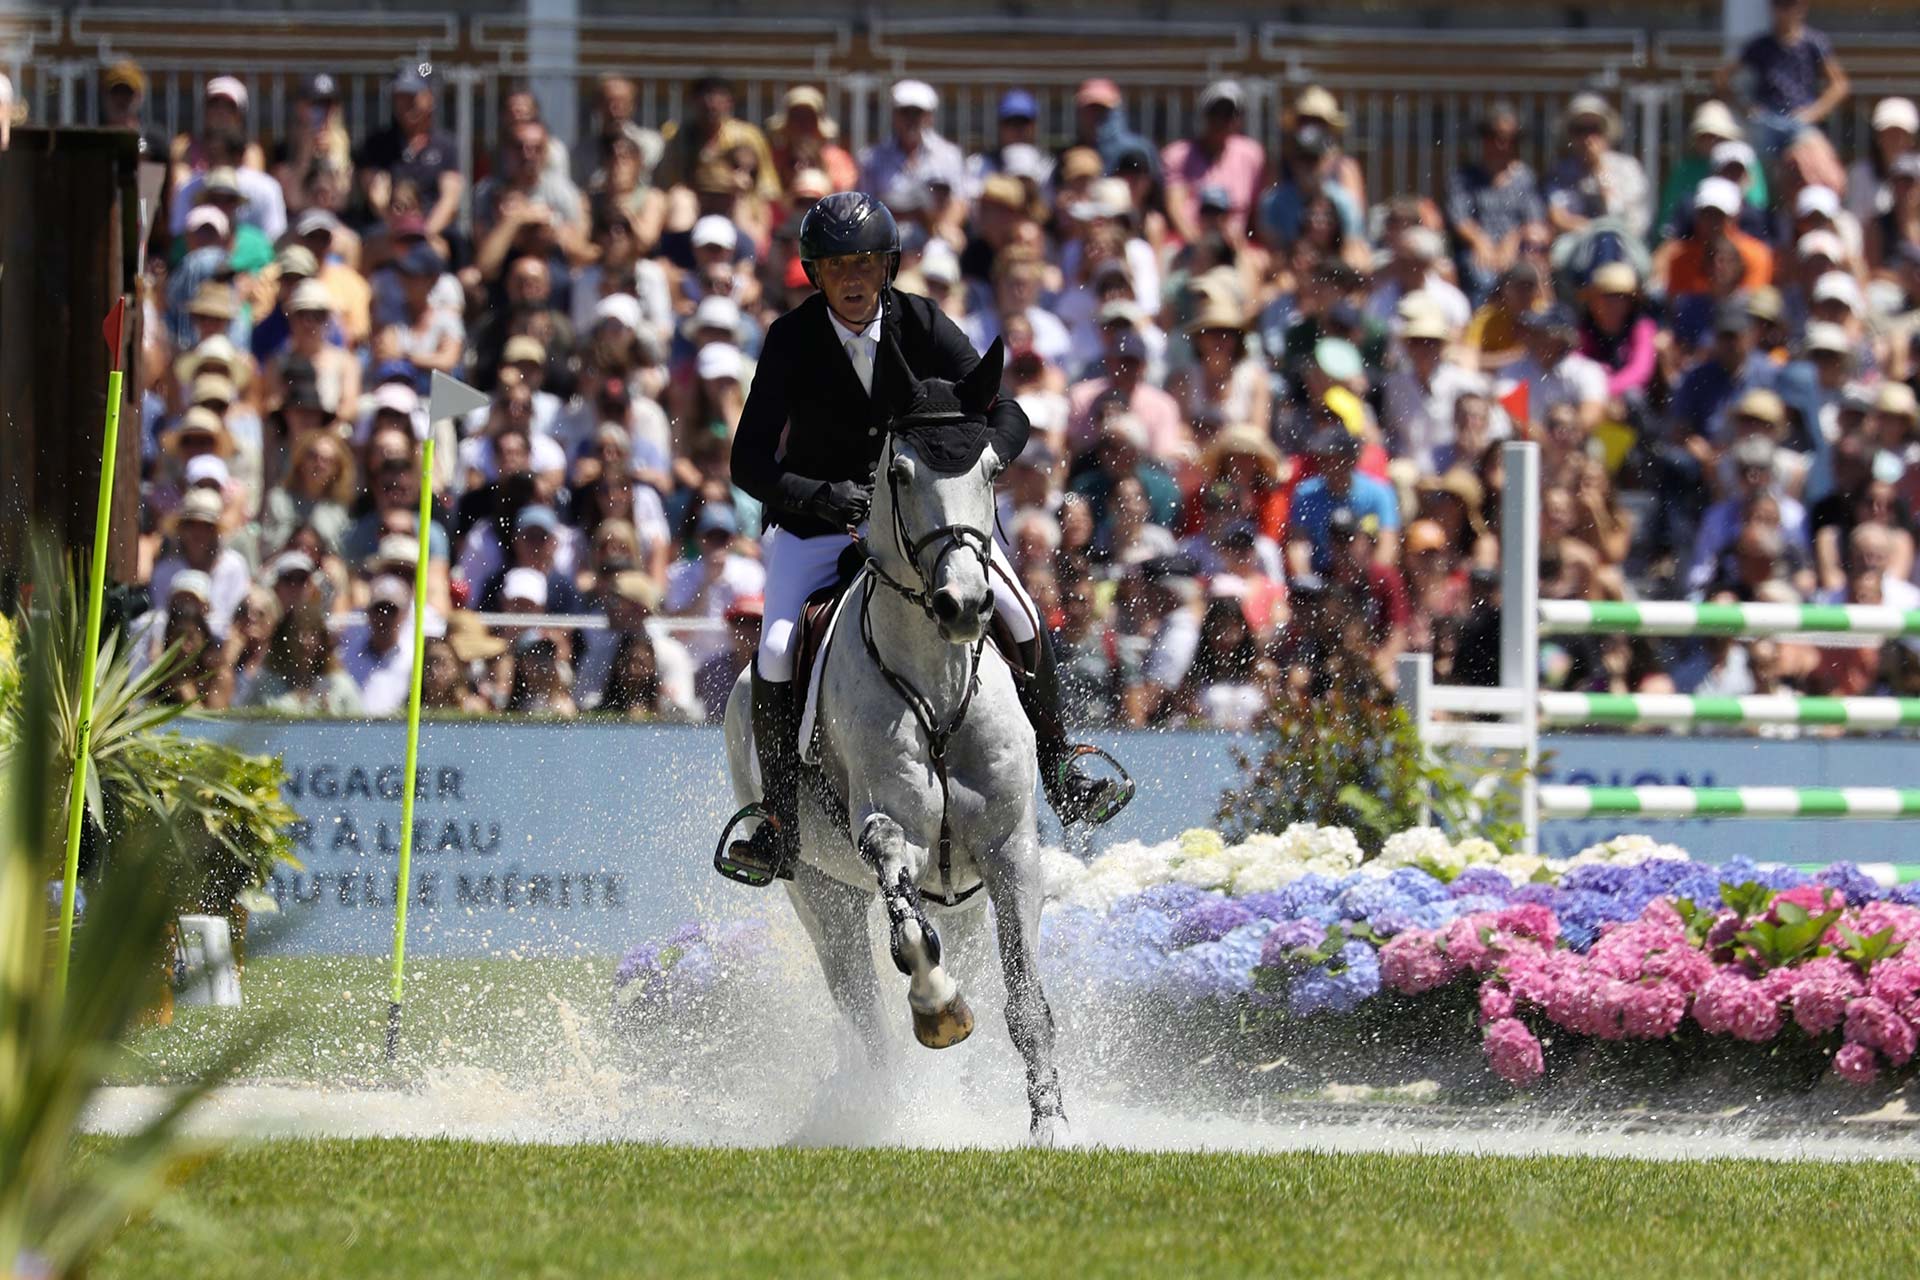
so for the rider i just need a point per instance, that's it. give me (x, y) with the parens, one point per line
(815, 380)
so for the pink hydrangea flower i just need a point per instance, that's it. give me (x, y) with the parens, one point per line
(1412, 962)
(1496, 1002)
(1875, 1024)
(1814, 898)
(1534, 978)
(1513, 1052)
(1821, 993)
(1870, 918)
(1529, 920)
(1464, 946)
(1897, 982)
(1661, 912)
(1730, 1003)
(1856, 1062)
(1652, 1010)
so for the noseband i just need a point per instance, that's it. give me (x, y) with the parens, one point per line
(949, 537)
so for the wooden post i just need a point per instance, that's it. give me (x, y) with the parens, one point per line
(69, 229)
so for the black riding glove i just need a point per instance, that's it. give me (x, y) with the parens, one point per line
(841, 503)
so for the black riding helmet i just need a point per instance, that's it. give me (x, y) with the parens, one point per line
(844, 223)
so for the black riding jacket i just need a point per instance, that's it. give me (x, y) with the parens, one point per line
(805, 386)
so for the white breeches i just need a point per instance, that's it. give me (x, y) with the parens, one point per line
(797, 567)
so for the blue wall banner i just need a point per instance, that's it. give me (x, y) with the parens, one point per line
(542, 837)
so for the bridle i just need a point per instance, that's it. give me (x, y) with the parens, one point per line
(950, 538)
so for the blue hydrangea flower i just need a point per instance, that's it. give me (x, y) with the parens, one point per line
(1481, 881)
(1417, 886)
(1209, 921)
(1851, 881)
(1598, 877)
(1171, 898)
(1338, 986)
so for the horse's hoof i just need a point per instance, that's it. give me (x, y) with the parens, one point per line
(1050, 1132)
(946, 1027)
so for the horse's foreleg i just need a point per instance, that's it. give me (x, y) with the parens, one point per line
(835, 917)
(941, 1017)
(1013, 884)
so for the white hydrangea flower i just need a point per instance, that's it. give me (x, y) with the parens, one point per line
(1521, 867)
(1410, 847)
(1060, 871)
(1266, 876)
(1211, 872)
(1201, 842)
(1444, 863)
(1478, 851)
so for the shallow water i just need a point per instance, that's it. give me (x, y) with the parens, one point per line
(758, 1060)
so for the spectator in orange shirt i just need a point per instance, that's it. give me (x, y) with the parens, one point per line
(1682, 264)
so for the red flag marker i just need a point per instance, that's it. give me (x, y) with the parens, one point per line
(1514, 401)
(114, 330)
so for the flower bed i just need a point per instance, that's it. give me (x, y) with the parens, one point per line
(1438, 944)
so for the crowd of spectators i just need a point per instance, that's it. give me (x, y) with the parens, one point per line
(1267, 401)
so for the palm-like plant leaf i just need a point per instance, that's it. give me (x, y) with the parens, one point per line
(54, 1049)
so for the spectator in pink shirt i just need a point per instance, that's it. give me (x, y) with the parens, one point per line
(1168, 438)
(1218, 156)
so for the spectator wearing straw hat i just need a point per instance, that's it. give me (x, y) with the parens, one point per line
(804, 136)
(1594, 179)
(123, 101)
(710, 131)
(198, 544)
(1711, 124)
(1618, 333)
(1418, 397)
(1219, 154)
(335, 371)
(1225, 382)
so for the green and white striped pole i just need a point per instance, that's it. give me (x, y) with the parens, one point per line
(450, 398)
(1729, 802)
(1772, 708)
(114, 332)
(1679, 618)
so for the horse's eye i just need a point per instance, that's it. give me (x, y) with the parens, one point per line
(901, 470)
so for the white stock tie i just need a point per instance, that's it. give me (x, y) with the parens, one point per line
(862, 362)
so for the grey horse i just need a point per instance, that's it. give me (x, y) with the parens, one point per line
(920, 731)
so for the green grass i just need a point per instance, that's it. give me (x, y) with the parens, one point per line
(504, 1014)
(405, 1209)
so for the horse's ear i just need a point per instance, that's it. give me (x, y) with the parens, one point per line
(978, 389)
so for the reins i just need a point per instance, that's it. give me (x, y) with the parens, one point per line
(921, 707)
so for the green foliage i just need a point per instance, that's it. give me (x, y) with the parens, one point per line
(1355, 760)
(55, 1212)
(221, 810)
(1793, 936)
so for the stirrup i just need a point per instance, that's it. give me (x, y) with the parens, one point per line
(1119, 791)
(751, 874)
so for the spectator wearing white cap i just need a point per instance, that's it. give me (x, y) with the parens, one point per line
(914, 155)
(721, 264)
(1896, 126)
(1818, 208)
(1682, 266)
(1897, 228)
(1594, 179)
(1219, 155)
(223, 113)
(378, 651)
(196, 543)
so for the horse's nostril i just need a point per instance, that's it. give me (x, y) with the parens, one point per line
(986, 605)
(946, 605)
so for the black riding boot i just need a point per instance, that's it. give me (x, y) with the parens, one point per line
(1074, 795)
(776, 841)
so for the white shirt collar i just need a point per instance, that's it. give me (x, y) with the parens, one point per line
(846, 332)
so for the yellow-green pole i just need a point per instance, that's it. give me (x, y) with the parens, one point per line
(403, 888)
(96, 592)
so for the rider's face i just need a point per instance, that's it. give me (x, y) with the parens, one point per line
(852, 284)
